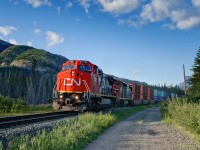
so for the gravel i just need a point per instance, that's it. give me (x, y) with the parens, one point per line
(143, 131)
(34, 128)
(30, 129)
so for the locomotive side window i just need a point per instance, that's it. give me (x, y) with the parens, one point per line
(84, 68)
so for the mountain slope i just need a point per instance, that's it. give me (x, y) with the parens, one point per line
(9, 54)
(4, 45)
(44, 60)
(29, 73)
(23, 56)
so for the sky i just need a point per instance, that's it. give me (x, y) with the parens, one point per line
(143, 40)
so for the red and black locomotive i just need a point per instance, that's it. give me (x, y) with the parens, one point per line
(82, 85)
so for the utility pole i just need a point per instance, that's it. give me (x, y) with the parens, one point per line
(184, 79)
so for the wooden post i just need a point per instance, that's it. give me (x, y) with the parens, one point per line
(185, 88)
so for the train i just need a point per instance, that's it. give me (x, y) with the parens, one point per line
(82, 85)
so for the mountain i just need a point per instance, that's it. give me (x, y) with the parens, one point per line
(181, 85)
(10, 53)
(23, 57)
(4, 45)
(28, 73)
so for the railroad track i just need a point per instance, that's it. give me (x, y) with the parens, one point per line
(8, 122)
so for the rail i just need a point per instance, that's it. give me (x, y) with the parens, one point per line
(8, 122)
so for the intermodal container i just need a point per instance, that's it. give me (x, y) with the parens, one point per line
(149, 93)
(163, 95)
(172, 95)
(135, 91)
(157, 95)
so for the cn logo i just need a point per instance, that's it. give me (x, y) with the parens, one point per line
(69, 82)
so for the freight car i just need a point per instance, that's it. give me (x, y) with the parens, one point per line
(82, 85)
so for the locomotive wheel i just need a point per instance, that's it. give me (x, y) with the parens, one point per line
(121, 103)
(130, 103)
(56, 106)
(82, 108)
(113, 103)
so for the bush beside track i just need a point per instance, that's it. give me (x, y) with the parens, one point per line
(13, 107)
(183, 113)
(75, 133)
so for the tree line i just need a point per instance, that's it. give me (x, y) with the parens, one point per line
(33, 86)
(194, 91)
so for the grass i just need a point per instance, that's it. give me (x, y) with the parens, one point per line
(29, 109)
(75, 133)
(14, 107)
(183, 114)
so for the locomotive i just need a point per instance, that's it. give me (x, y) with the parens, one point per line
(82, 85)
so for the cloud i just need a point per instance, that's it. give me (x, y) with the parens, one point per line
(6, 30)
(29, 43)
(136, 72)
(119, 6)
(14, 2)
(58, 9)
(13, 41)
(188, 23)
(131, 21)
(38, 3)
(121, 22)
(158, 10)
(53, 38)
(69, 5)
(196, 3)
(85, 4)
(37, 31)
(179, 14)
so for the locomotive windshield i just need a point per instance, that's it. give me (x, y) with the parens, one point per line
(84, 68)
(68, 67)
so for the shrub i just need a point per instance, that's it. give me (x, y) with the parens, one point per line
(5, 104)
(183, 112)
(18, 105)
(8, 105)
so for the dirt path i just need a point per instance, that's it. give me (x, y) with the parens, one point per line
(142, 131)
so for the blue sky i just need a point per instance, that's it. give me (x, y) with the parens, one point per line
(144, 40)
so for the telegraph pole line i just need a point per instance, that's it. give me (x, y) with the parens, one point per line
(184, 79)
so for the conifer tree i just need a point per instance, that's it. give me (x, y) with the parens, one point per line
(195, 79)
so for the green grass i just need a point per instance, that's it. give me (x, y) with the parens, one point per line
(29, 109)
(183, 113)
(14, 107)
(75, 133)
(124, 113)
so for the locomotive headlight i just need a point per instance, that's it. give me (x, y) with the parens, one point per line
(76, 97)
(61, 96)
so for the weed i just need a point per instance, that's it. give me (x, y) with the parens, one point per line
(183, 113)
